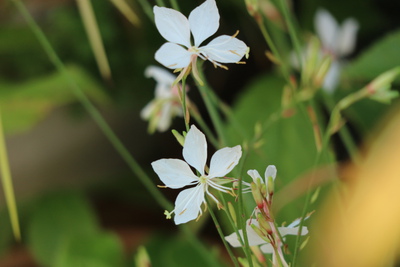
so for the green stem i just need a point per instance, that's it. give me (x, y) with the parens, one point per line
(174, 5)
(184, 107)
(7, 184)
(211, 108)
(147, 9)
(160, 3)
(93, 111)
(221, 234)
(292, 31)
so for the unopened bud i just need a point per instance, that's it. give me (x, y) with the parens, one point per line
(258, 198)
(264, 223)
(270, 186)
(322, 71)
(142, 259)
(260, 232)
(179, 137)
(232, 212)
(379, 88)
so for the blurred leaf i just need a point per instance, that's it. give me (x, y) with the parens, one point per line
(27, 103)
(380, 57)
(97, 250)
(56, 219)
(6, 234)
(287, 143)
(177, 252)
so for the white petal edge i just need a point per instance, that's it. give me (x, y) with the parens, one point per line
(326, 27)
(195, 149)
(174, 173)
(332, 78)
(254, 175)
(204, 21)
(172, 25)
(173, 56)
(253, 238)
(267, 249)
(161, 75)
(224, 160)
(165, 117)
(292, 231)
(188, 204)
(224, 49)
(346, 38)
(270, 172)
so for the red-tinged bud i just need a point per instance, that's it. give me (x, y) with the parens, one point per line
(264, 224)
(258, 198)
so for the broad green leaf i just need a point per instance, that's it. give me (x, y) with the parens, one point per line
(380, 57)
(55, 219)
(26, 103)
(96, 250)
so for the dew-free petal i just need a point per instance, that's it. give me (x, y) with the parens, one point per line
(173, 56)
(270, 172)
(204, 21)
(225, 49)
(346, 39)
(161, 75)
(174, 173)
(224, 160)
(172, 25)
(188, 204)
(327, 28)
(195, 149)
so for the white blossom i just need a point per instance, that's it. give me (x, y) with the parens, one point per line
(176, 173)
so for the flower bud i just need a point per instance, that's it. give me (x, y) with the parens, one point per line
(258, 198)
(179, 137)
(264, 224)
(270, 186)
(232, 212)
(142, 258)
(379, 88)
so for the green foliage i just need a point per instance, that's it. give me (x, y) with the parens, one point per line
(288, 142)
(60, 222)
(25, 104)
(6, 234)
(380, 57)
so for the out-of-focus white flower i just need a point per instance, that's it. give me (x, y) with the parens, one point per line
(166, 104)
(337, 41)
(180, 53)
(256, 240)
(176, 173)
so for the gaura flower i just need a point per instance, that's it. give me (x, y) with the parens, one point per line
(176, 173)
(337, 41)
(166, 104)
(255, 240)
(180, 54)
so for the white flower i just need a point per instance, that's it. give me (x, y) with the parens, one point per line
(255, 240)
(166, 104)
(269, 172)
(338, 41)
(176, 173)
(179, 53)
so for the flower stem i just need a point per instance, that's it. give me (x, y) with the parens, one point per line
(186, 117)
(221, 234)
(205, 92)
(174, 4)
(93, 111)
(7, 184)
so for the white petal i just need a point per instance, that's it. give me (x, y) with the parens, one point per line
(204, 21)
(172, 25)
(188, 204)
(174, 173)
(165, 117)
(346, 39)
(161, 75)
(327, 28)
(332, 78)
(292, 231)
(224, 49)
(224, 160)
(148, 110)
(270, 172)
(252, 236)
(195, 149)
(173, 56)
(267, 249)
(255, 175)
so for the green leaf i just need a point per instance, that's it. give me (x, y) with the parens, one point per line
(97, 250)
(380, 57)
(25, 104)
(55, 219)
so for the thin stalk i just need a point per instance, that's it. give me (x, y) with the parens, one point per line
(7, 184)
(160, 3)
(211, 108)
(203, 125)
(147, 8)
(292, 31)
(93, 111)
(221, 234)
(183, 102)
(174, 4)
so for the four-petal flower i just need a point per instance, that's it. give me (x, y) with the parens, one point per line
(179, 53)
(176, 173)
